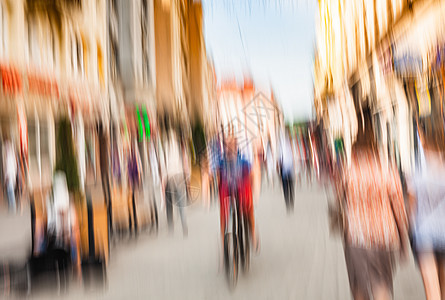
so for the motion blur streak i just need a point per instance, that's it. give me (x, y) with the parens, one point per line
(214, 149)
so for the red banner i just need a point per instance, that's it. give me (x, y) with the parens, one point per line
(42, 86)
(11, 80)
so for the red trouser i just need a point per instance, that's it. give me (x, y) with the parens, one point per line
(244, 196)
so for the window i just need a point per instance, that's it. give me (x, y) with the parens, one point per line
(114, 6)
(3, 31)
(80, 59)
(33, 42)
(144, 41)
(114, 59)
(51, 49)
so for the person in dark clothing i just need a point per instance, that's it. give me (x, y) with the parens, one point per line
(104, 172)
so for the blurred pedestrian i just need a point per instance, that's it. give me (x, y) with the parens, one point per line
(376, 223)
(116, 166)
(270, 162)
(215, 158)
(426, 190)
(235, 180)
(187, 167)
(104, 156)
(21, 178)
(286, 167)
(10, 173)
(134, 177)
(173, 181)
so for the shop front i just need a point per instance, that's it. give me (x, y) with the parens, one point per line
(32, 105)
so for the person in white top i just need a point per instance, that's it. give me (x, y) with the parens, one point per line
(62, 219)
(10, 173)
(58, 207)
(173, 180)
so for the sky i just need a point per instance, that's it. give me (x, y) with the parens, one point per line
(274, 44)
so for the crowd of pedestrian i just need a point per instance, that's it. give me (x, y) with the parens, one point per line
(382, 219)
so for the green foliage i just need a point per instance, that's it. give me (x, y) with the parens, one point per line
(66, 161)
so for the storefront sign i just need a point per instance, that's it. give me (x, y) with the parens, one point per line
(11, 80)
(42, 86)
(143, 122)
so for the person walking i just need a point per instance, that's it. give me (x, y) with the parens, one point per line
(104, 168)
(286, 166)
(270, 164)
(375, 218)
(173, 181)
(426, 194)
(134, 178)
(10, 173)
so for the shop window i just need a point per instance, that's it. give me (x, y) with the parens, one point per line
(144, 37)
(3, 31)
(33, 42)
(50, 44)
(114, 59)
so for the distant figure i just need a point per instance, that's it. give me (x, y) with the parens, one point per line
(270, 161)
(58, 208)
(134, 166)
(173, 181)
(10, 173)
(286, 164)
(104, 169)
(62, 223)
(104, 162)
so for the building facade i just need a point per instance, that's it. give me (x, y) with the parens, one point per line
(375, 53)
(52, 58)
(181, 60)
(132, 70)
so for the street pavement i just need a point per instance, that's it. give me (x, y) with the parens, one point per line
(299, 259)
